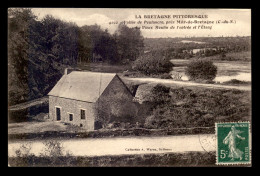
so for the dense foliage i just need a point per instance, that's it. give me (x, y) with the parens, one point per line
(187, 108)
(177, 48)
(152, 63)
(39, 50)
(129, 42)
(168, 159)
(201, 70)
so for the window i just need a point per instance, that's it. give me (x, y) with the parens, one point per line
(71, 117)
(82, 114)
(58, 113)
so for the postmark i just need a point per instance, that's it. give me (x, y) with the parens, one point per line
(233, 143)
(208, 142)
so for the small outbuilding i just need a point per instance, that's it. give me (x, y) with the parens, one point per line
(89, 99)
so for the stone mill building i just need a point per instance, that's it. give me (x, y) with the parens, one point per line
(88, 99)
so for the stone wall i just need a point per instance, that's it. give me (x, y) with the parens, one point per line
(117, 102)
(72, 106)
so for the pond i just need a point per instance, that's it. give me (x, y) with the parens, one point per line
(241, 76)
(190, 41)
(226, 70)
(125, 145)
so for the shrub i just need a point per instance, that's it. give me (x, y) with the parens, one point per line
(201, 70)
(164, 159)
(186, 108)
(53, 148)
(159, 95)
(166, 76)
(23, 156)
(235, 81)
(152, 63)
(55, 152)
(150, 122)
(24, 150)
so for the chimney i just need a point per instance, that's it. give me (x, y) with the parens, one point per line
(66, 71)
(69, 70)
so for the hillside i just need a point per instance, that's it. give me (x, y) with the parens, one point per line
(197, 42)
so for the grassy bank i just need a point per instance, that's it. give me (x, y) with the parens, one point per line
(109, 133)
(236, 82)
(163, 160)
(238, 56)
(195, 107)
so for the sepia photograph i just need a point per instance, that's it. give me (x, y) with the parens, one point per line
(129, 87)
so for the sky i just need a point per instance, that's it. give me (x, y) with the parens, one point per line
(241, 18)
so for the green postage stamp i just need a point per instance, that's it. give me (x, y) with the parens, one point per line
(233, 143)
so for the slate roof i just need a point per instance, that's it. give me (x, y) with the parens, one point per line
(80, 85)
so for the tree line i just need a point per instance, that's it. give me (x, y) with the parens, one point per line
(174, 48)
(39, 50)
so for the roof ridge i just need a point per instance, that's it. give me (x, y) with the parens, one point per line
(84, 86)
(83, 71)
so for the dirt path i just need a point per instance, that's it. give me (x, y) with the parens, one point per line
(127, 145)
(186, 83)
(29, 103)
(38, 127)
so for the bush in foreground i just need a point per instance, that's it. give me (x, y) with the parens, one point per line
(170, 159)
(201, 70)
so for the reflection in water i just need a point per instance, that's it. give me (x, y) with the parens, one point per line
(240, 76)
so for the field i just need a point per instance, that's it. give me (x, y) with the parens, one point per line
(233, 56)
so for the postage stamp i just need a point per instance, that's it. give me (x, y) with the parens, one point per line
(233, 143)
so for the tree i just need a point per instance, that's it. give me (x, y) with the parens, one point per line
(130, 42)
(85, 44)
(201, 70)
(95, 41)
(20, 49)
(107, 48)
(61, 40)
(38, 51)
(152, 63)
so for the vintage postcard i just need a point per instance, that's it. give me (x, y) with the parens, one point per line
(117, 87)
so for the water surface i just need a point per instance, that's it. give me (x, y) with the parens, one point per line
(126, 145)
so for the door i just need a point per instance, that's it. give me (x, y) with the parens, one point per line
(58, 113)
